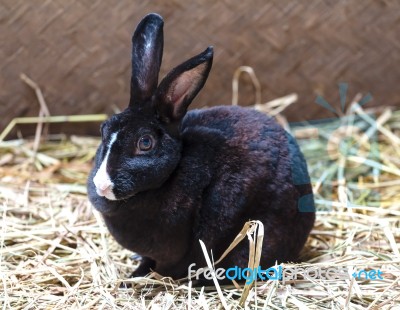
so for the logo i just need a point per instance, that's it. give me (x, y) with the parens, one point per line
(339, 148)
(343, 96)
(373, 274)
(278, 273)
(349, 138)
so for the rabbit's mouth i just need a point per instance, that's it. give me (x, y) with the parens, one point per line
(104, 186)
(107, 193)
(112, 195)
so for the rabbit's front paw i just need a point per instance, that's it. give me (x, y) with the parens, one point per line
(144, 268)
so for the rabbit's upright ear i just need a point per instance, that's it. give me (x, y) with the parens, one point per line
(147, 48)
(181, 85)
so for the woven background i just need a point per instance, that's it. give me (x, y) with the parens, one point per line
(78, 51)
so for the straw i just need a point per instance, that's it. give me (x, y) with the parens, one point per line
(56, 253)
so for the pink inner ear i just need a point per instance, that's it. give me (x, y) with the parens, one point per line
(179, 89)
(184, 85)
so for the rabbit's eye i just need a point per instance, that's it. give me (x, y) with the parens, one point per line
(145, 143)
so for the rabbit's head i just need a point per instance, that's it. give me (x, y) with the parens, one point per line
(141, 146)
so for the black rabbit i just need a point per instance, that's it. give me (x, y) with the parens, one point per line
(164, 178)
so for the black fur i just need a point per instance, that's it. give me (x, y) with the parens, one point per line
(208, 173)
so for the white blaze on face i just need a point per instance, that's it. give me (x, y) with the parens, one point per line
(101, 180)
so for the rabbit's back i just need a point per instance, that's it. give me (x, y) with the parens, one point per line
(247, 140)
(258, 173)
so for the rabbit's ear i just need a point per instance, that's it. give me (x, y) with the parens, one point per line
(147, 48)
(181, 85)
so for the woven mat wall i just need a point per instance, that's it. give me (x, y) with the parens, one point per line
(78, 51)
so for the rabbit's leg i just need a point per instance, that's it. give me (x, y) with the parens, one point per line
(144, 267)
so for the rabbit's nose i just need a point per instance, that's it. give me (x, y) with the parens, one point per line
(104, 188)
(105, 185)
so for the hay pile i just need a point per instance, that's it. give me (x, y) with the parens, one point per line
(56, 253)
